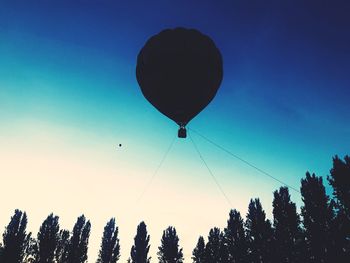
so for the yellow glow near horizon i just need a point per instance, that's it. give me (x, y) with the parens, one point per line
(47, 168)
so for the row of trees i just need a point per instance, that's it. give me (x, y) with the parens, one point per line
(319, 234)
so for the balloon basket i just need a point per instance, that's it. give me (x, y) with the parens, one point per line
(182, 133)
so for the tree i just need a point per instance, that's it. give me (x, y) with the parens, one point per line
(48, 239)
(139, 251)
(110, 248)
(15, 239)
(235, 238)
(215, 250)
(259, 233)
(169, 251)
(339, 179)
(31, 252)
(287, 233)
(317, 216)
(62, 249)
(78, 244)
(198, 254)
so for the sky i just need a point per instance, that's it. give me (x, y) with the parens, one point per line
(69, 97)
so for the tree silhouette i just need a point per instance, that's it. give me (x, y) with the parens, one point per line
(317, 216)
(287, 233)
(15, 239)
(198, 254)
(31, 252)
(339, 179)
(62, 249)
(259, 233)
(215, 250)
(235, 239)
(169, 251)
(139, 251)
(47, 240)
(110, 248)
(78, 244)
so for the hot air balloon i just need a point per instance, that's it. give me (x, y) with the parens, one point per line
(179, 72)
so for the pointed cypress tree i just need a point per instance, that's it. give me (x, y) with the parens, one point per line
(48, 239)
(339, 179)
(139, 251)
(62, 249)
(259, 233)
(235, 238)
(110, 248)
(287, 233)
(15, 239)
(215, 250)
(169, 251)
(78, 245)
(31, 253)
(317, 219)
(198, 254)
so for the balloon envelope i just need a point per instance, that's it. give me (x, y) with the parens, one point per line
(179, 71)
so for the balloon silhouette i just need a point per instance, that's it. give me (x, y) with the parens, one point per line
(179, 72)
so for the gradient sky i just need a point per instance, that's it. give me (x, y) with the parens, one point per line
(69, 96)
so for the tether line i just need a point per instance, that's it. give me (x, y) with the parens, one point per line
(210, 172)
(156, 170)
(244, 161)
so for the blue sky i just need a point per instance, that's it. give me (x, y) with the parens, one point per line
(69, 96)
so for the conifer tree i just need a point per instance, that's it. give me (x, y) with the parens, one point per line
(47, 240)
(287, 233)
(15, 239)
(198, 254)
(235, 238)
(62, 250)
(78, 244)
(317, 216)
(215, 250)
(169, 251)
(259, 233)
(31, 252)
(110, 248)
(339, 179)
(140, 249)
